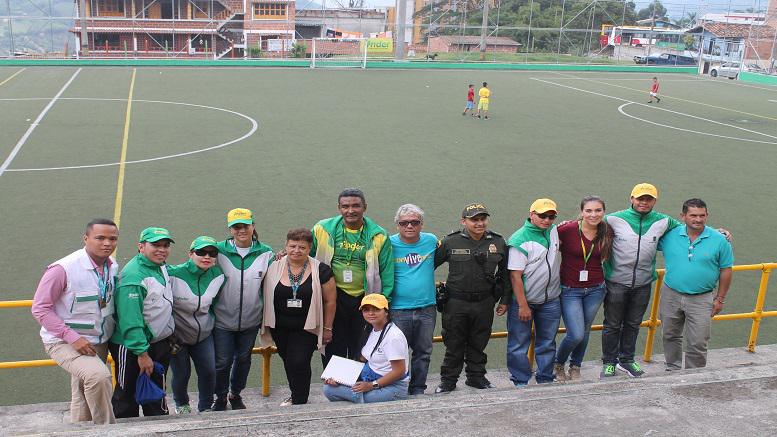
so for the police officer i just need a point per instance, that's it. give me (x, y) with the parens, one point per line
(477, 278)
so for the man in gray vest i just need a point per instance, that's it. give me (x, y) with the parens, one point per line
(73, 304)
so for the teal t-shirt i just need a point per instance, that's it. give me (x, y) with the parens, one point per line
(694, 268)
(413, 272)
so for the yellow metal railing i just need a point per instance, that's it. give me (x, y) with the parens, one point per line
(652, 324)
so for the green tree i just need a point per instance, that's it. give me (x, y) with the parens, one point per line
(654, 9)
(687, 21)
(586, 18)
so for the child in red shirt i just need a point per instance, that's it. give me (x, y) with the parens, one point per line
(470, 100)
(654, 91)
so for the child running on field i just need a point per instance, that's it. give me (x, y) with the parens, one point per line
(654, 91)
(484, 94)
(470, 100)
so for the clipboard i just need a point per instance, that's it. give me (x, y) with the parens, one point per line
(343, 371)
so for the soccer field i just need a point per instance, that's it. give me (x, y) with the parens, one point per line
(283, 142)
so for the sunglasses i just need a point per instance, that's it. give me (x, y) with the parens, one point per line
(211, 253)
(413, 223)
(547, 216)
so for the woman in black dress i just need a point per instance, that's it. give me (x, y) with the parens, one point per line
(299, 308)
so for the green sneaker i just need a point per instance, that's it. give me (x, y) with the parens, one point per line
(607, 371)
(632, 369)
(183, 409)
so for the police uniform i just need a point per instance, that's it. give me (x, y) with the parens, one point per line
(474, 268)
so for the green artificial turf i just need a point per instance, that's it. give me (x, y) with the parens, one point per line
(399, 135)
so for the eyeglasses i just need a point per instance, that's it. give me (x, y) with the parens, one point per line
(412, 223)
(547, 216)
(210, 253)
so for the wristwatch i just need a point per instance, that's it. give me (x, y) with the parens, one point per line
(375, 385)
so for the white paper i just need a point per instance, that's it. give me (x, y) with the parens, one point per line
(343, 370)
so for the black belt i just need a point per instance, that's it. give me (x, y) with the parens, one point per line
(470, 297)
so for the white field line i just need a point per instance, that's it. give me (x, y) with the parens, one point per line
(254, 127)
(661, 109)
(740, 84)
(773, 101)
(620, 109)
(643, 79)
(34, 124)
(674, 98)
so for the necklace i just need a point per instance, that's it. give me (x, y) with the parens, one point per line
(296, 280)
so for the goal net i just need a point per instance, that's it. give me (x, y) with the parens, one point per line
(339, 53)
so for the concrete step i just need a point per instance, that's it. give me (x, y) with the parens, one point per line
(735, 395)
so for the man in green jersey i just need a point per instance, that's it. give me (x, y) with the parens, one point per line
(360, 255)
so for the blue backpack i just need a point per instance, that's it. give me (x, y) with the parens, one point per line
(146, 391)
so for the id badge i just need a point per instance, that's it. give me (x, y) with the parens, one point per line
(583, 275)
(347, 276)
(293, 303)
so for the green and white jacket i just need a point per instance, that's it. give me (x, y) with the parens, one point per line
(194, 291)
(633, 259)
(239, 307)
(538, 250)
(144, 305)
(379, 276)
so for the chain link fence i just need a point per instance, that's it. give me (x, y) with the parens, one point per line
(515, 31)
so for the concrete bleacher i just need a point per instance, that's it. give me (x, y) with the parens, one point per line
(735, 395)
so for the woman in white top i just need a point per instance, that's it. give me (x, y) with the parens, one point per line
(384, 377)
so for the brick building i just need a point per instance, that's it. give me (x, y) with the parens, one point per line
(183, 28)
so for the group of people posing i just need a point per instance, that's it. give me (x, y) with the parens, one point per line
(350, 289)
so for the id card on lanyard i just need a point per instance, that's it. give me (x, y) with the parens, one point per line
(295, 281)
(104, 282)
(586, 255)
(348, 273)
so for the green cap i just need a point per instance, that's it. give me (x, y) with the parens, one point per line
(202, 241)
(150, 235)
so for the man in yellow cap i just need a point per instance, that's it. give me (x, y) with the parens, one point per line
(629, 273)
(535, 272)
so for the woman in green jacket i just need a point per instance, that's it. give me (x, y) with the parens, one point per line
(196, 285)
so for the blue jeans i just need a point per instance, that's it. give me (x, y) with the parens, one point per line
(418, 326)
(579, 307)
(233, 355)
(546, 319)
(204, 358)
(392, 392)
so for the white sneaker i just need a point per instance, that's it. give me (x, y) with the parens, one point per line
(286, 402)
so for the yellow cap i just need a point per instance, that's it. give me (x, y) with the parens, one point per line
(645, 189)
(543, 205)
(377, 300)
(240, 215)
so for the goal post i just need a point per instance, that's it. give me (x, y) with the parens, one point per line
(339, 53)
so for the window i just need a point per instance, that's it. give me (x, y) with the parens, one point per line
(270, 11)
(110, 7)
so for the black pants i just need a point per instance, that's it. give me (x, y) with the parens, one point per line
(296, 346)
(347, 328)
(127, 372)
(466, 328)
(624, 308)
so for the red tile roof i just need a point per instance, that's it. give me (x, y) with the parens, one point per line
(728, 30)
